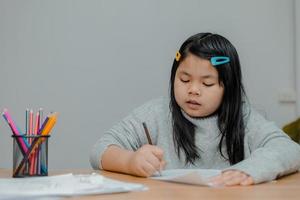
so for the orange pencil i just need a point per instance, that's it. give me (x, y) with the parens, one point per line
(49, 125)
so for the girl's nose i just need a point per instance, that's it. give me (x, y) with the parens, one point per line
(194, 90)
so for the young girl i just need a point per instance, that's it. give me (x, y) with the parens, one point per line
(205, 123)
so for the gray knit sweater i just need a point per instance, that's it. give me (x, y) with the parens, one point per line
(269, 152)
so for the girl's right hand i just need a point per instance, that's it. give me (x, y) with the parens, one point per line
(146, 161)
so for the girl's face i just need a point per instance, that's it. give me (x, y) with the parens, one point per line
(196, 87)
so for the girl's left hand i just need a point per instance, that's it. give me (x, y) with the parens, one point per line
(232, 178)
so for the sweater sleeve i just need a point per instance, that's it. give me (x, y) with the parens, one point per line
(128, 133)
(272, 152)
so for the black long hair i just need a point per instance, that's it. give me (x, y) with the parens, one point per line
(230, 112)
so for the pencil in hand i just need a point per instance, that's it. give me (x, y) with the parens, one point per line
(149, 139)
(147, 133)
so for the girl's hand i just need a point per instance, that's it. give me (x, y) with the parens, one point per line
(146, 161)
(232, 178)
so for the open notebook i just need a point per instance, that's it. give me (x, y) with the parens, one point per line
(188, 176)
(63, 185)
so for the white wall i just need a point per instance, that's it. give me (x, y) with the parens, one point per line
(94, 61)
(297, 53)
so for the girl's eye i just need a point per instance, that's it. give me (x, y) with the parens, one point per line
(184, 80)
(208, 84)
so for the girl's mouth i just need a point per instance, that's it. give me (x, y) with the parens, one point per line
(193, 104)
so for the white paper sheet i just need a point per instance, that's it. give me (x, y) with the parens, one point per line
(188, 176)
(64, 185)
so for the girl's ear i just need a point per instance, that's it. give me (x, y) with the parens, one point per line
(221, 84)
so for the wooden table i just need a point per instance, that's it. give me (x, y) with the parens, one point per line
(285, 188)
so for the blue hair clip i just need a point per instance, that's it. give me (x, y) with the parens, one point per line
(219, 60)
